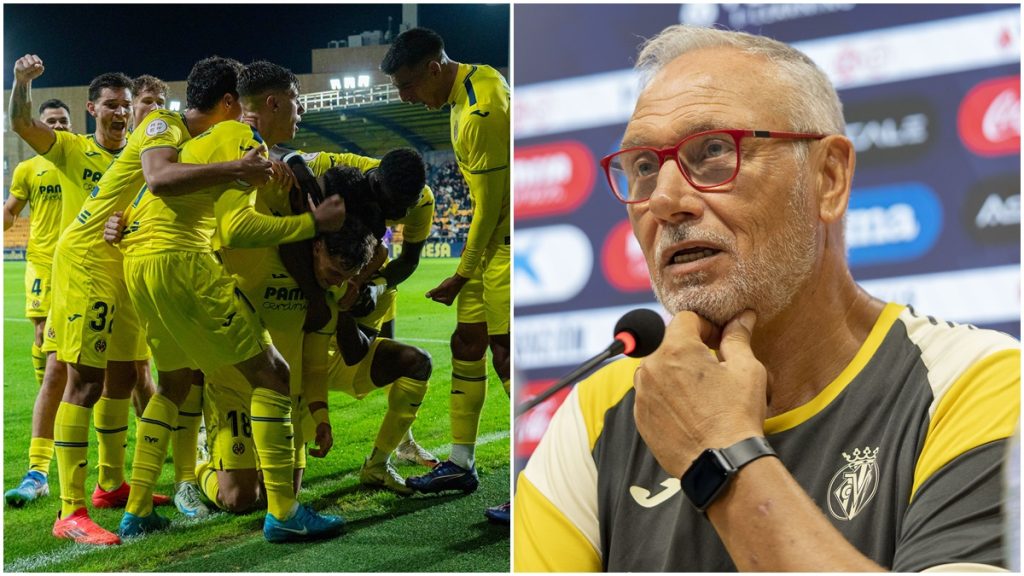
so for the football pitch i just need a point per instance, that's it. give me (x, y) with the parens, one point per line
(384, 533)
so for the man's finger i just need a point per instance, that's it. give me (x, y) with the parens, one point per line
(688, 326)
(736, 336)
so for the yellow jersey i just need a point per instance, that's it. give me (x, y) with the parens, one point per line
(119, 185)
(38, 182)
(192, 222)
(480, 133)
(82, 161)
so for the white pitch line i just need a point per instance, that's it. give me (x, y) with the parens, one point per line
(13, 319)
(431, 340)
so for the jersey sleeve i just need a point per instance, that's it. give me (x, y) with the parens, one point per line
(416, 224)
(239, 224)
(21, 185)
(955, 515)
(486, 172)
(63, 146)
(160, 133)
(556, 523)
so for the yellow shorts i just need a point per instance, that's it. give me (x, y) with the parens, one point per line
(387, 305)
(352, 380)
(196, 317)
(487, 297)
(86, 303)
(226, 400)
(49, 336)
(37, 290)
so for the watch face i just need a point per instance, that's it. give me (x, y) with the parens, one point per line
(705, 478)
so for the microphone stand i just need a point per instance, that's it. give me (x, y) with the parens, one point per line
(617, 347)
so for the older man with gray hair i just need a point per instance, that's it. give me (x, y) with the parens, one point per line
(789, 420)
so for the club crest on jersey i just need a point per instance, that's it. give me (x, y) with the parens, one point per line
(854, 485)
(101, 345)
(156, 127)
(51, 333)
(238, 448)
(36, 304)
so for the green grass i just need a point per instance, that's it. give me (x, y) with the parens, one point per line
(385, 533)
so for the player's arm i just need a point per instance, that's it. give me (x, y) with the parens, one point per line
(20, 190)
(488, 188)
(35, 133)
(399, 269)
(165, 176)
(314, 388)
(353, 344)
(12, 207)
(241, 226)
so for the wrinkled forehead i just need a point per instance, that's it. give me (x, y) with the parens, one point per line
(114, 95)
(54, 113)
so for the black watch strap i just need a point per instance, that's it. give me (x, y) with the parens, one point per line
(746, 451)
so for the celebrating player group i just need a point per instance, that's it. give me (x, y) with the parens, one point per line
(171, 237)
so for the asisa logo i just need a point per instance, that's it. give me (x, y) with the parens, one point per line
(894, 223)
(989, 117)
(623, 261)
(552, 178)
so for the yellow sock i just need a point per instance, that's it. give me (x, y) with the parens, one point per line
(111, 419)
(208, 482)
(38, 363)
(186, 436)
(71, 444)
(272, 434)
(469, 388)
(505, 385)
(404, 400)
(152, 437)
(40, 453)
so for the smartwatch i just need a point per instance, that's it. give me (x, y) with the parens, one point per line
(711, 471)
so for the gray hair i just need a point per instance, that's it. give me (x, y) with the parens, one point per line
(812, 106)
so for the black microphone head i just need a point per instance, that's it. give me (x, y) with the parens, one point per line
(646, 327)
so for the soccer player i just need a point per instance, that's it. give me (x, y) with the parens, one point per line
(84, 159)
(90, 294)
(231, 478)
(479, 97)
(150, 93)
(170, 266)
(37, 183)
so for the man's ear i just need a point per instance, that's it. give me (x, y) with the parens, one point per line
(272, 102)
(835, 163)
(91, 108)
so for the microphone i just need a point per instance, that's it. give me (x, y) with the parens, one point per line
(638, 333)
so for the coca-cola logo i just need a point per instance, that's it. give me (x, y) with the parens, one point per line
(552, 178)
(530, 427)
(989, 117)
(623, 261)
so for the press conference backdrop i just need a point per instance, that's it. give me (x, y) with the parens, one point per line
(931, 98)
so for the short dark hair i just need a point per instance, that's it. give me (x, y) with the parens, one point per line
(411, 48)
(114, 80)
(403, 174)
(210, 79)
(53, 103)
(262, 76)
(147, 83)
(355, 241)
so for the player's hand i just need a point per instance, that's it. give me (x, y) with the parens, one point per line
(282, 176)
(380, 256)
(447, 290)
(330, 214)
(324, 440)
(28, 68)
(114, 229)
(254, 168)
(689, 399)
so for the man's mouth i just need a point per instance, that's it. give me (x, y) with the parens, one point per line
(688, 255)
(116, 125)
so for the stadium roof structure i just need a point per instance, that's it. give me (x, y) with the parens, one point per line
(368, 121)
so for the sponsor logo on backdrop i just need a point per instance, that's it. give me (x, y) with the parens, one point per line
(530, 427)
(552, 178)
(742, 15)
(623, 262)
(992, 210)
(891, 131)
(994, 293)
(552, 264)
(893, 223)
(989, 117)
